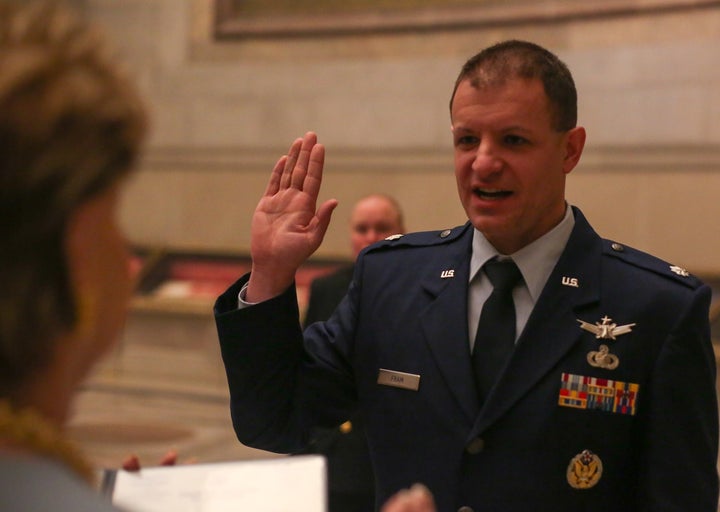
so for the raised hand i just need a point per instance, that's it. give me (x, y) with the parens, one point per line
(287, 227)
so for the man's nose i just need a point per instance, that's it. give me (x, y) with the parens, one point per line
(487, 159)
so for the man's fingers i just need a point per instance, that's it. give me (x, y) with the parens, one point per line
(416, 499)
(290, 161)
(304, 157)
(274, 184)
(422, 498)
(303, 161)
(313, 177)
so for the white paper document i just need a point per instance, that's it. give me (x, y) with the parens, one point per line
(282, 484)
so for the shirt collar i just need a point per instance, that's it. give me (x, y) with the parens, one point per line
(535, 261)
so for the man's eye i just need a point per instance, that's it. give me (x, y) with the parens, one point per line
(515, 140)
(467, 140)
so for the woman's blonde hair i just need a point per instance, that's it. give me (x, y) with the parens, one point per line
(71, 124)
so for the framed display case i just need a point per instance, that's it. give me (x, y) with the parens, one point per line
(188, 282)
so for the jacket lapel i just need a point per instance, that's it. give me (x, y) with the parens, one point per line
(444, 322)
(552, 329)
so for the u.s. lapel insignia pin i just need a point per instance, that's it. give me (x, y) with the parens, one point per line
(570, 281)
(584, 470)
(445, 274)
(606, 329)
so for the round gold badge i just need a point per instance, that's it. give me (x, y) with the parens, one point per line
(584, 470)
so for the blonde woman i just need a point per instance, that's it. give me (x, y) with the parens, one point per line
(71, 126)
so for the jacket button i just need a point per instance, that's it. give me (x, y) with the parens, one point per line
(465, 508)
(476, 446)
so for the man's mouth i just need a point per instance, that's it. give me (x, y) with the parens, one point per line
(491, 193)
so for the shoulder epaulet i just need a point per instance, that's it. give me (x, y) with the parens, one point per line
(419, 239)
(649, 262)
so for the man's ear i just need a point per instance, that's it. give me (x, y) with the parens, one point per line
(574, 144)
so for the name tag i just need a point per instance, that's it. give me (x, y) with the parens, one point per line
(398, 379)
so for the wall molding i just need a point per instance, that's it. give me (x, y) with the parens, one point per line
(666, 158)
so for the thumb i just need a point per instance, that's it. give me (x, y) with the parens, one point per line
(324, 215)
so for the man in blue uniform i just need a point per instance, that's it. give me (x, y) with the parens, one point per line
(518, 362)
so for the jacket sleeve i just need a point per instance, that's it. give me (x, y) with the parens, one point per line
(681, 436)
(261, 348)
(278, 389)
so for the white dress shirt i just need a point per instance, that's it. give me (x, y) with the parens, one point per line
(535, 261)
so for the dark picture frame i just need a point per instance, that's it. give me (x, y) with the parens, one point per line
(237, 19)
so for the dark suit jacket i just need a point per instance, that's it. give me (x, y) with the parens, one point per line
(326, 292)
(345, 448)
(514, 453)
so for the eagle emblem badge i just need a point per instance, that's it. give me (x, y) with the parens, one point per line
(584, 470)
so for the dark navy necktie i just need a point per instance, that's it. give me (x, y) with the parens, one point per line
(495, 338)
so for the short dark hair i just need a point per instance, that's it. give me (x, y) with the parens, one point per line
(522, 59)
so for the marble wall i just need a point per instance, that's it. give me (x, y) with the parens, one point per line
(224, 111)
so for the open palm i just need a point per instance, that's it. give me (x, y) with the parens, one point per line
(287, 227)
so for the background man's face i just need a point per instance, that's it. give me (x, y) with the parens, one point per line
(373, 219)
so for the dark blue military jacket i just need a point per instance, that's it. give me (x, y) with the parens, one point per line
(607, 404)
